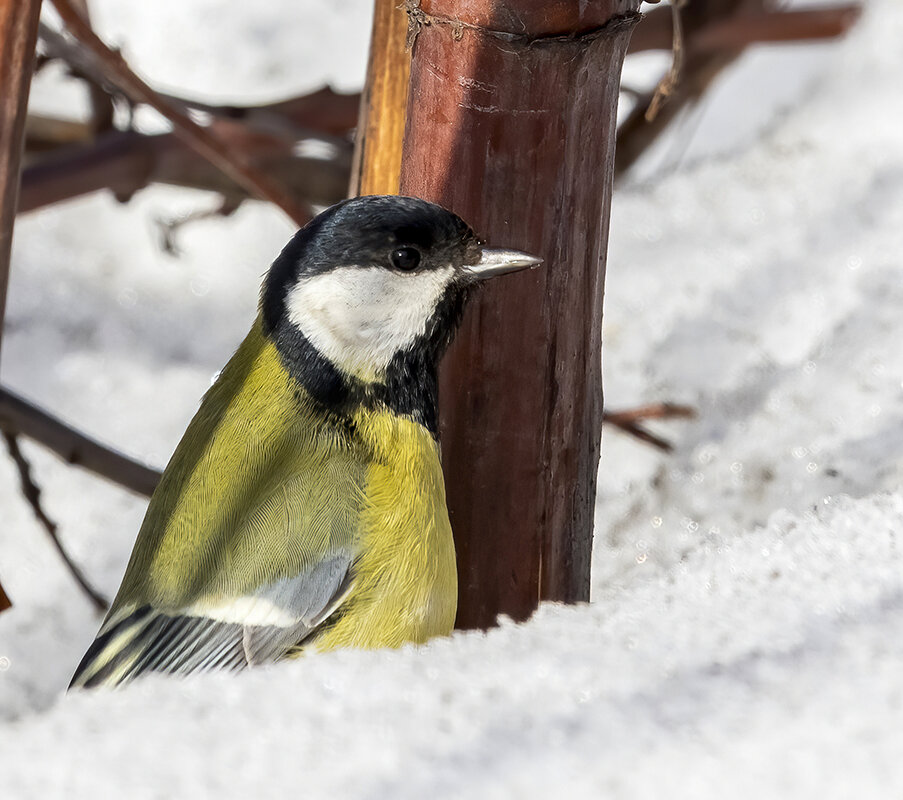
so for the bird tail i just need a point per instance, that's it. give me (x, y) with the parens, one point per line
(148, 641)
(109, 657)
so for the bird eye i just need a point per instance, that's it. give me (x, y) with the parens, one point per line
(405, 258)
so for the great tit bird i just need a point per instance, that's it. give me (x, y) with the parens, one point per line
(305, 505)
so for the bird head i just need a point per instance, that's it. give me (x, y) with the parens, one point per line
(376, 283)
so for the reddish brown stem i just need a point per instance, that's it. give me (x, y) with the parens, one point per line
(511, 125)
(18, 34)
(229, 159)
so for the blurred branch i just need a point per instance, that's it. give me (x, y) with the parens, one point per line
(629, 421)
(126, 161)
(323, 112)
(5, 602)
(170, 226)
(43, 133)
(747, 28)
(18, 416)
(715, 33)
(637, 133)
(651, 411)
(808, 25)
(18, 34)
(668, 82)
(208, 144)
(32, 493)
(101, 102)
(380, 129)
(269, 137)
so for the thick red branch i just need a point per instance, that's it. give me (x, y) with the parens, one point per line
(511, 125)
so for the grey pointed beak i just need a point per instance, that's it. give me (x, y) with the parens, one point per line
(495, 261)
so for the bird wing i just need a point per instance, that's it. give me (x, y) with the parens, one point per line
(256, 631)
(249, 542)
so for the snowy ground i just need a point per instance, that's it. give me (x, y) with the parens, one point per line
(746, 634)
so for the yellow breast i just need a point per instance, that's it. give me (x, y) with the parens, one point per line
(405, 587)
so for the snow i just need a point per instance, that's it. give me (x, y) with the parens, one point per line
(745, 637)
(765, 665)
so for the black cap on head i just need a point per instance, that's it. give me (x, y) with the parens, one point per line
(366, 232)
(363, 301)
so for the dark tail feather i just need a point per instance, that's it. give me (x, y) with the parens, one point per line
(149, 641)
(103, 657)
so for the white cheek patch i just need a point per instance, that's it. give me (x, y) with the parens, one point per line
(360, 317)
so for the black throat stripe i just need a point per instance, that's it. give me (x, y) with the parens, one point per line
(410, 387)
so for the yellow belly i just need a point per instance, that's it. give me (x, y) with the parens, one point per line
(405, 587)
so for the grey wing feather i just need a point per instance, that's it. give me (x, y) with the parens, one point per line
(148, 640)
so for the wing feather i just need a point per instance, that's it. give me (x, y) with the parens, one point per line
(249, 543)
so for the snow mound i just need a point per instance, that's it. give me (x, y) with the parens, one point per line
(766, 665)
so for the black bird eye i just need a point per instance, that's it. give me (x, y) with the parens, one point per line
(405, 258)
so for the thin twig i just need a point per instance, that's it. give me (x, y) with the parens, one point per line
(82, 64)
(19, 416)
(229, 159)
(32, 494)
(651, 411)
(668, 83)
(639, 432)
(101, 102)
(168, 227)
(628, 421)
